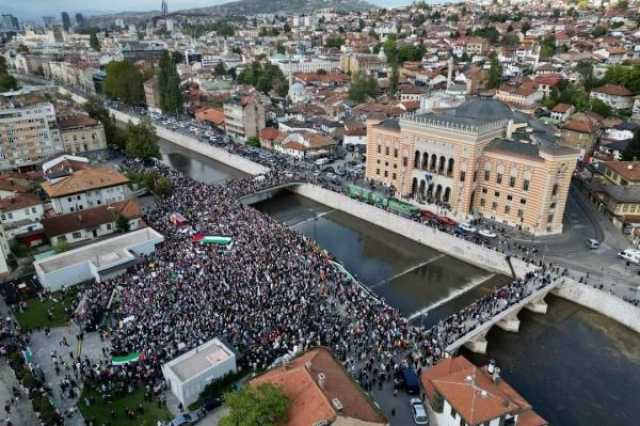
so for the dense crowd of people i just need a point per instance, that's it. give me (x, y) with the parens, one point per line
(268, 293)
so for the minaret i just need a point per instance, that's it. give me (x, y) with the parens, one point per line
(450, 72)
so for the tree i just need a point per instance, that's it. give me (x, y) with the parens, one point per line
(262, 405)
(632, 152)
(7, 81)
(599, 31)
(489, 33)
(495, 74)
(97, 111)
(286, 28)
(253, 141)
(526, 26)
(394, 79)
(61, 247)
(220, 69)
(124, 81)
(169, 85)
(94, 42)
(362, 87)
(142, 141)
(122, 224)
(510, 40)
(334, 41)
(599, 107)
(265, 78)
(548, 46)
(627, 76)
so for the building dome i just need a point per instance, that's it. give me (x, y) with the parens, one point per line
(483, 109)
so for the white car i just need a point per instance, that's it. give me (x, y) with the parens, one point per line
(486, 233)
(420, 416)
(467, 228)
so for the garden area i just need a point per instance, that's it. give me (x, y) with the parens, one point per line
(51, 311)
(127, 409)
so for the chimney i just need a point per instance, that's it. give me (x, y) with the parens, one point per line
(322, 378)
(496, 375)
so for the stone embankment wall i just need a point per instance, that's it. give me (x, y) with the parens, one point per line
(443, 242)
(601, 302)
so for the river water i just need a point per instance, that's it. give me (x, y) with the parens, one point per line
(575, 367)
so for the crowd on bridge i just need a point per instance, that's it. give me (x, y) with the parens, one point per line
(270, 293)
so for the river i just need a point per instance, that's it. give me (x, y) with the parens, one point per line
(575, 367)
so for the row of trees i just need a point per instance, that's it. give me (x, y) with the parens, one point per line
(362, 87)
(265, 78)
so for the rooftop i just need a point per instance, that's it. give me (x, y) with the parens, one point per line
(76, 122)
(313, 382)
(475, 395)
(629, 170)
(19, 201)
(85, 180)
(103, 254)
(200, 359)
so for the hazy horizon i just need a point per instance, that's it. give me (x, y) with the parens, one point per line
(35, 9)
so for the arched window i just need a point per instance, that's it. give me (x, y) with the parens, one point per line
(447, 194)
(443, 162)
(416, 160)
(425, 161)
(450, 167)
(434, 161)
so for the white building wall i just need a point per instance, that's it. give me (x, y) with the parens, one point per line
(89, 199)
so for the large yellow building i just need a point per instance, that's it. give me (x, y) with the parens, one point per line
(480, 159)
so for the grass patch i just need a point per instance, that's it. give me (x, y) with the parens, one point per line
(35, 316)
(100, 410)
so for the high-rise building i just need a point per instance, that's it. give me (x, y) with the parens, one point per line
(164, 8)
(66, 21)
(9, 23)
(49, 21)
(28, 134)
(79, 20)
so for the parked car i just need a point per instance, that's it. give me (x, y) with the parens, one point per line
(487, 233)
(213, 403)
(189, 418)
(630, 255)
(420, 416)
(592, 243)
(465, 227)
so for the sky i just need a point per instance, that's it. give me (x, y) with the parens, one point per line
(34, 9)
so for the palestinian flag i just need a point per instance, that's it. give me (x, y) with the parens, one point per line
(198, 236)
(212, 239)
(126, 359)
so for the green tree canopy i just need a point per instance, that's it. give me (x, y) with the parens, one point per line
(97, 111)
(334, 41)
(489, 33)
(220, 69)
(7, 81)
(495, 74)
(632, 153)
(599, 107)
(93, 41)
(265, 78)
(262, 405)
(124, 81)
(169, 85)
(627, 76)
(362, 87)
(142, 141)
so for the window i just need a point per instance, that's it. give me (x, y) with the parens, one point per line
(554, 191)
(523, 201)
(405, 161)
(484, 190)
(393, 176)
(482, 202)
(386, 150)
(386, 173)
(509, 197)
(378, 161)
(33, 209)
(512, 181)
(3, 217)
(463, 175)
(76, 235)
(386, 164)
(520, 213)
(108, 227)
(496, 194)
(378, 171)
(475, 176)
(487, 174)
(499, 178)
(552, 206)
(525, 185)
(379, 149)
(494, 205)
(550, 218)
(10, 215)
(395, 152)
(453, 413)
(507, 209)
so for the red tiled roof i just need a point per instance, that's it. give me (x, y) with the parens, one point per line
(629, 170)
(562, 108)
(19, 201)
(613, 90)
